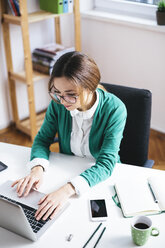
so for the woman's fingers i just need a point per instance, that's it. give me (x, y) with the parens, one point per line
(36, 185)
(24, 185)
(21, 187)
(44, 212)
(42, 200)
(43, 209)
(56, 210)
(29, 186)
(51, 203)
(14, 183)
(49, 212)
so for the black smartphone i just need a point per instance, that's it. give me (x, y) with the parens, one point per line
(2, 166)
(98, 210)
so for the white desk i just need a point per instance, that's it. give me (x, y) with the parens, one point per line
(75, 220)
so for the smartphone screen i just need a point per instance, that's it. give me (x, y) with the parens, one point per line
(2, 166)
(98, 209)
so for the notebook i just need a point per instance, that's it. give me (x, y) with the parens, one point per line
(138, 196)
(17, 214)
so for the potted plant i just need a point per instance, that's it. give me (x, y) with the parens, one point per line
(160, 13)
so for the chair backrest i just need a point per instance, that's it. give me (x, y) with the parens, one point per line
(134, 145)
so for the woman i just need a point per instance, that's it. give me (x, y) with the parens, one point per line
(89, 122)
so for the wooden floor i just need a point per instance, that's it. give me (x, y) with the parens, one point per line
(157, 149)
(156, 144)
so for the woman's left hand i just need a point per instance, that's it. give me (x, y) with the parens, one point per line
(53, 202)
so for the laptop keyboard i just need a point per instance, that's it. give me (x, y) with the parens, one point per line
(30, 214)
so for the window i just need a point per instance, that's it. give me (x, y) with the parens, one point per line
(153, 2)
(137, 8)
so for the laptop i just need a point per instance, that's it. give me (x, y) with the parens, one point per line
(17, 214)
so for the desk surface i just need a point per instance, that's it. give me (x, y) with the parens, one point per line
(75, 220)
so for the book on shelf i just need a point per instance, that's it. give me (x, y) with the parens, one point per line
(140, 196)
(42, 60)
(16, 3)
(42, 68)
(47, 55)
(14, 7)
(52, 50)
(49, 50)
(10, 9)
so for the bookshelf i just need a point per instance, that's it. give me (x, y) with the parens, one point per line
(31, 124)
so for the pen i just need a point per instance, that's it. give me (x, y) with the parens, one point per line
(155, 200)
(92, 235)
(99, 237)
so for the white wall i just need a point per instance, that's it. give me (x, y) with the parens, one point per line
(125, 55)
(129, 56)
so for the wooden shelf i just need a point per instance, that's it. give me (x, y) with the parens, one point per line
(11, 19)
(24, 125)
(43, 15)
(32, 17)
(20, 76)
(28, 76)
(38, 76)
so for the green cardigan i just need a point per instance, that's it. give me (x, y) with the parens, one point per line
(104, 139)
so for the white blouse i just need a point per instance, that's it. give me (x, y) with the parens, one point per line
(81, 125)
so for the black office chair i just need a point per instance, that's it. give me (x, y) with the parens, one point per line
(134, 145)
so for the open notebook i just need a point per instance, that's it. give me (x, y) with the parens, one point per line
(141, 196)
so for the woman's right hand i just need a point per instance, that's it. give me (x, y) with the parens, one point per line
(33, 180)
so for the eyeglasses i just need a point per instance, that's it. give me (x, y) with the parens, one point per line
(57, 98)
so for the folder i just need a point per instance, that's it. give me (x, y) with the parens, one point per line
(70, 6)
(53, 6)
(65, 6)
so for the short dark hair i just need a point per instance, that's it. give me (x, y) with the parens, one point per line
(77, 67)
